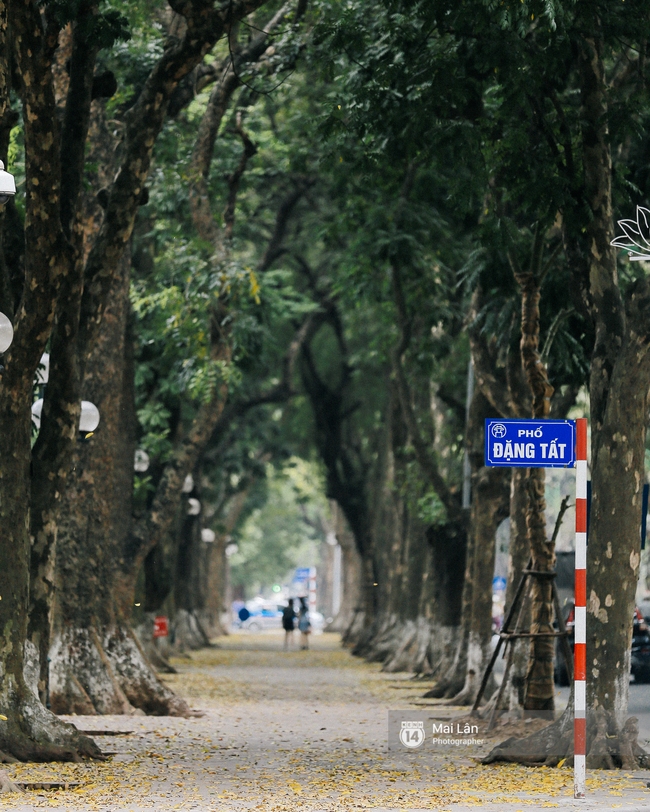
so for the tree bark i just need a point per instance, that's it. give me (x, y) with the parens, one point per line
(518, 557)
(489, 507)
(540, 688)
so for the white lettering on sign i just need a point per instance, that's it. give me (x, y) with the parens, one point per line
(516, 451)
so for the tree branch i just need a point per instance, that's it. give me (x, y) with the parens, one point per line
(220, 97)
(76, 117)
(423, 453)
(47, 260)
(274, 245)
(205, 24)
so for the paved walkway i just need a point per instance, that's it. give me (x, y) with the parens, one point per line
(296, 731)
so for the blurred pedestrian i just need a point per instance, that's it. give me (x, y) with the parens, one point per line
(304, 625)
(288, 623)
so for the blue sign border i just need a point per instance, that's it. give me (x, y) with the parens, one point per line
(546, 424)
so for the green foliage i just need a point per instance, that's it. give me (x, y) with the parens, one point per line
(430, 510)
(284, 531)
(101, 29)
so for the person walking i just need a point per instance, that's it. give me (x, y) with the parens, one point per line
(304, 625)
(288, 623)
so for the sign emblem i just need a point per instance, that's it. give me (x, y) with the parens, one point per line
(499, 430)
(412, 734)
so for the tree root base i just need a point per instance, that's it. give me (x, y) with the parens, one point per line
(107, 672)
(610, 748)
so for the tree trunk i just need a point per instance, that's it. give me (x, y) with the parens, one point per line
(540, 688)
(489, 508)
(518, 557)
(345, 620)
(613, 553)
(30, 732)
(97, 665)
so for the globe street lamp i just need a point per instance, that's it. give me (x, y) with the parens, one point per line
(88, 419)
(6, 331)
(141, 462)
(193, 507)
(7, 185)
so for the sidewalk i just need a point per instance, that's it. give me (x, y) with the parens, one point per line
(296, 732)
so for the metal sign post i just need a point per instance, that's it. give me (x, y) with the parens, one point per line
(580, 628)
(556, 444)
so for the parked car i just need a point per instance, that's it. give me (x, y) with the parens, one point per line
(264, 616)
(270, 617)
(640, 660)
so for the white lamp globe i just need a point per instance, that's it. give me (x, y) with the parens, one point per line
(232, 548)
(43, 370)
(6, 333)
(141, 461)
(207, 535)
(89, 419)
(7, 185)
(37, 408)
(188, 484)
(193, 507)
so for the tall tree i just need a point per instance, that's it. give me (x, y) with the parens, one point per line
(63, 295)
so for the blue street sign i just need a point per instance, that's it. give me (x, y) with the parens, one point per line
(530, 443)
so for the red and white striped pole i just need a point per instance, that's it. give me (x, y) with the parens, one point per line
(580, 628)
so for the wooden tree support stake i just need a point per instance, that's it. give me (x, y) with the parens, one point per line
(506, 636)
